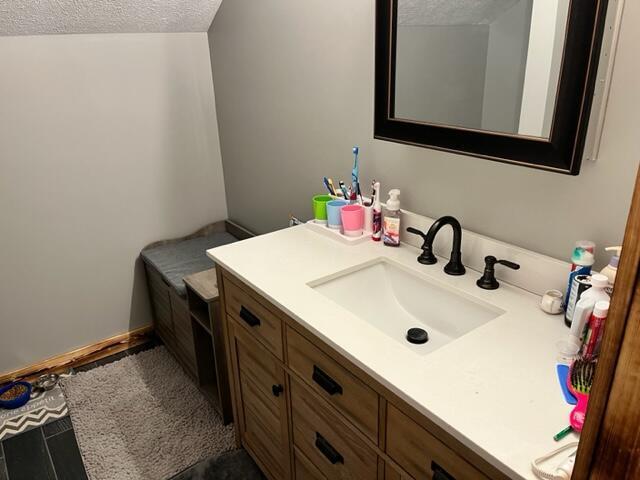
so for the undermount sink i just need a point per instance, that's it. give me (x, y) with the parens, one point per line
(394, 300)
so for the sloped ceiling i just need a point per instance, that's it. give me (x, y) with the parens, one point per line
(451, 12)
(41, 17)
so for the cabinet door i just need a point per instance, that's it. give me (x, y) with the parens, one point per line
(260, 385)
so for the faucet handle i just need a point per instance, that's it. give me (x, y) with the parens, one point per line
(488, 280)
(415, 231)
(507, 263)
(426, 257)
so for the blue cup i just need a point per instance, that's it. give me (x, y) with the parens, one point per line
(334, 220)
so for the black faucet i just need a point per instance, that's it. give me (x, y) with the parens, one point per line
(454, 267)
(488, 279)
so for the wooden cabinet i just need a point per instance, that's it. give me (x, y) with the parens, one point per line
(324, 439)
(334, 383)
(304, 412)
(263, 324)
(260, 386)
(420, 453)
(304, 469)
(160, 301)
(183, 332)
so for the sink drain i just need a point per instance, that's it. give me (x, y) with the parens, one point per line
(417, 336)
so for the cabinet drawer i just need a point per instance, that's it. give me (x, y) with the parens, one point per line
(330, 445)
(263, 403)
(305, 470)
(261, 322)
(334, 383)
(420, 453)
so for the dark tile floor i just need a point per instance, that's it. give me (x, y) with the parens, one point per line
(51, 451)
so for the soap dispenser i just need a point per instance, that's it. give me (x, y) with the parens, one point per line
(610, 270)
(391, 222)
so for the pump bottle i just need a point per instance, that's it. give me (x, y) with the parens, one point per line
(391, 221)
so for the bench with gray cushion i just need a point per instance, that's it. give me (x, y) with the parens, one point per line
(174, 261)
(167, 263)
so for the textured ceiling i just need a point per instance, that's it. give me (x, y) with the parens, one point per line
(39, 17)
(451, 12)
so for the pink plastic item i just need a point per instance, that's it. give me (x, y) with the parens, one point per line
(352, 220)
(576, 417)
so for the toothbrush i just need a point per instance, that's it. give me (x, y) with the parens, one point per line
(579, 381)
(344, 190)
(355, 173)
(333, 188)
(328, 185)
(373, 193)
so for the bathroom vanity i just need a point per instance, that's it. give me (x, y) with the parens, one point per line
(325, 385)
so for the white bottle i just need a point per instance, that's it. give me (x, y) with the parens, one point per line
(391, 221)
(597, 291)
(611, 270)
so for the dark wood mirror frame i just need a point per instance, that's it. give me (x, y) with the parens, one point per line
(562, 152)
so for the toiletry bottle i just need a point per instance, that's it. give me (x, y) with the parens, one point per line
(581, 261)
(593, 338)
(391, 221)
(584, 309)
(597, 293)
(377, 214)
(610, 270)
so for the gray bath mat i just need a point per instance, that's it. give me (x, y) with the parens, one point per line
(141, 418)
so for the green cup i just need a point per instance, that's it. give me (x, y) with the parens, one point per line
(320, 208)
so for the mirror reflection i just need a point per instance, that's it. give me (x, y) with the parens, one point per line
(490, 65)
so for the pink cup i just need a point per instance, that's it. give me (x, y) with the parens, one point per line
(352, 220)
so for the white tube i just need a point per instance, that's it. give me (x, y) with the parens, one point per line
(581, 315)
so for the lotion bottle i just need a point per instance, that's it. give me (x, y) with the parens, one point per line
(612, 268)
(391, 221)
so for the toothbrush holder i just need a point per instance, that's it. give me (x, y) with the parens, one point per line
(320, 208)
(352, 220)
(334, 219)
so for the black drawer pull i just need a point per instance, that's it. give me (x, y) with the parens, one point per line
(249, 318)
(440, 473)
(325, 381)
(277, 390)
(327, 450)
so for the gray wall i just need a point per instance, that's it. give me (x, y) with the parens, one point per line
(506, 64)
(440, 73)
(107, 143)
(294, 89)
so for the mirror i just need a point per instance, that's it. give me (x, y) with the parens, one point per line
(508, 80)
(487, 64)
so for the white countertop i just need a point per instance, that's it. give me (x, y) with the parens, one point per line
(494, 389)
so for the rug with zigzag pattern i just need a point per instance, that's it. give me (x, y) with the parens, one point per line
(43, 408)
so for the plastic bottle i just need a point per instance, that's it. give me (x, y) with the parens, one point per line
(597, 291)
(377, 214)
(391, 221)
(581, 261)
(584, 309)
(593, 338)
(611, 270)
